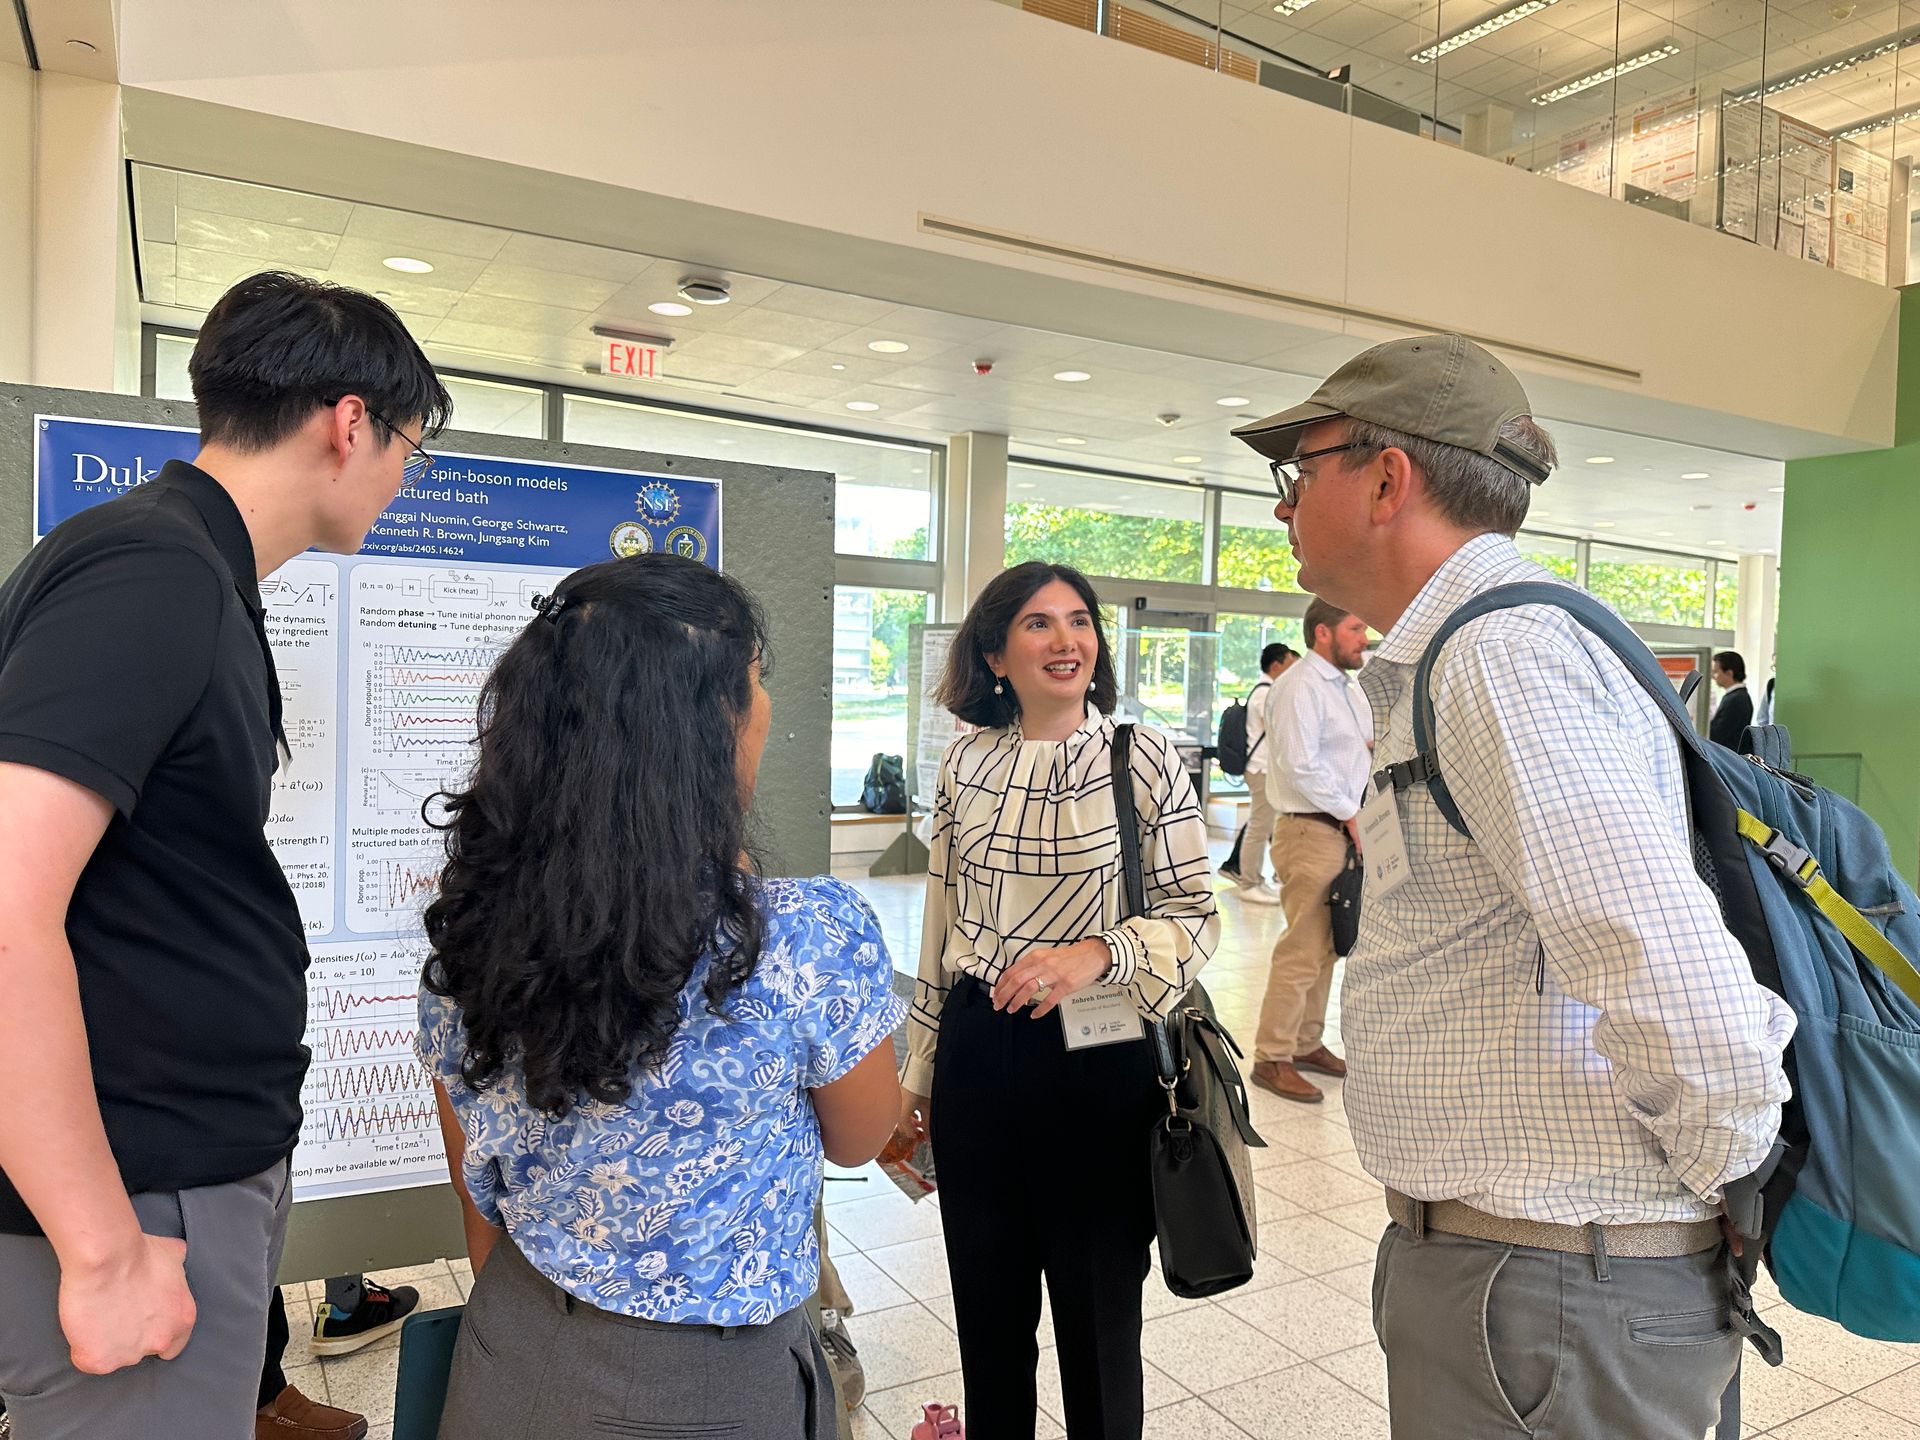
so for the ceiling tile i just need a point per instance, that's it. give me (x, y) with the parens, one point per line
(398, 232)
(358, 261)
(743, 354)
(825, 305)
(802, 331)
(569, 257)
(156, 261)
(506, 341)
(156, 195)
(518, 315)
(507, 281)
(256, 239)
(263, 202)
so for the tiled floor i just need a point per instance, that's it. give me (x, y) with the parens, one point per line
(1291, 1355)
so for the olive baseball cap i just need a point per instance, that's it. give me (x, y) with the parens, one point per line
(1442, 388)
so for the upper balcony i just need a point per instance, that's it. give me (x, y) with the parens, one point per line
(1789, 124)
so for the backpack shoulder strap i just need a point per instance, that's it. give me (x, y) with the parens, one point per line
(1591, 615)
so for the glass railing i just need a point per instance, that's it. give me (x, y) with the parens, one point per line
(1787, 125)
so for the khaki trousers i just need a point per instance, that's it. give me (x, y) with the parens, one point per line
(1307, 855)
(1255, 838)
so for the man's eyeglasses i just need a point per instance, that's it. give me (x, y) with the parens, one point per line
(418, 463)
(1286, 473)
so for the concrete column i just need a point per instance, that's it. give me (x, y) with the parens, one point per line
(975, 546)
(1756, 617)
(85, 309)
(1487, 130)
(18, 117)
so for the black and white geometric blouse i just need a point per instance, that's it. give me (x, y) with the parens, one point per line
(1025, 855)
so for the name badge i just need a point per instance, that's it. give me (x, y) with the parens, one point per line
(1099, 1015)
(1383, 846)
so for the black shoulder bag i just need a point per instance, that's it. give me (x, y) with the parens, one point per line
(1202, 1178)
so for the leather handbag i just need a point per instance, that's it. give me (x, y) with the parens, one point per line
(1343, 900)
(1202, 1177)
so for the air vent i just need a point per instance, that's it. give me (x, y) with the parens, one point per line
(1238, 290)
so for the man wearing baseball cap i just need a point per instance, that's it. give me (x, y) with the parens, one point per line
(1558, 1055)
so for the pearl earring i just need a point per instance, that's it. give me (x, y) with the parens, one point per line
(998, 688)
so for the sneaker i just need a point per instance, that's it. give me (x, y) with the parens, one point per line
(849, 1377)
(6, 1426)
(1232, 874)
(292, 1416)
(1258, 894)
(377, 1316)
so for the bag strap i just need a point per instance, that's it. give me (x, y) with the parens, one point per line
(1592, 616)
(1804, 871)
(1127, 820)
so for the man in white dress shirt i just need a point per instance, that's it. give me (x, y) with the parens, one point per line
(1560, 1055)
(1319, 732)
(1249, 857)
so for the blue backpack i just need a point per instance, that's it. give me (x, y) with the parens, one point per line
(1807, 886)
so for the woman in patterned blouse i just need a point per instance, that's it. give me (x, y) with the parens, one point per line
(640, 1048)
(1026, 1053)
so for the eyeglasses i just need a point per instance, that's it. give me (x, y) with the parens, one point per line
(1286, 473)
(418, 463)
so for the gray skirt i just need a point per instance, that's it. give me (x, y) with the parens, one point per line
(534, 1363)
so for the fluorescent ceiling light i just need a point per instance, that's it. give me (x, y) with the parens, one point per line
(1696, 475)
(1879, 122)
(670, 307)
(1561, 91)
(1479, 30)
(407, 265)
(1186, 459)
(861, 405)
(1232, 400)
(1291, 7)
(888, 347)
(1832, 65)
(1071, 377)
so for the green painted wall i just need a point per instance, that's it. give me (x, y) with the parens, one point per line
(1849, 680)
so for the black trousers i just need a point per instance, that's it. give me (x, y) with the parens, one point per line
(1042, 1160)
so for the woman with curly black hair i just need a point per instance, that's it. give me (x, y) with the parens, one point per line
(641, 1048)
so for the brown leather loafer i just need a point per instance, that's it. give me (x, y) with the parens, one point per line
(1279, 1077)
(1323, 1060)
(292, 1416)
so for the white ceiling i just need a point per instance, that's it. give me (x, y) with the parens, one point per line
(1724, 45)
(525, 306)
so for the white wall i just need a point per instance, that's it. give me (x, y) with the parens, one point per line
(17, 124)
(806, 141)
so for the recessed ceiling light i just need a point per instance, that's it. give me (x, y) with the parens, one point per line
(703, 292)
(87, 47)
(1023, 485)
(1233, 400)
(838, 366)
(889, 347)
(383, 294)
(1541, 514)
(1700, 507)
(1696, 475)
(1291, 7)
(1599, 459)
(407, 265)
(1716, 542)
(861, 405)
(1186, 459)
(670, 307)
(1603, 524)
(1663, 534)
(1072, 377)
(1068, 440)
(1776, 489)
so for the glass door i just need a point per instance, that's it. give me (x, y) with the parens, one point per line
(1165, 663)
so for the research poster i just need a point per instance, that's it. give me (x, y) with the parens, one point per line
(1663, 145)
(380, 658)
(1806, 191)
(1862, 181)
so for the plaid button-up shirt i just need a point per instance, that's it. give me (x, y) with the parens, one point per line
(1549, 1021)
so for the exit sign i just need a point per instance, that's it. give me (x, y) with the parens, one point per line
(628, 357)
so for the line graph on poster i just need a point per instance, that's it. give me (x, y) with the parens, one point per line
(397, 886)
(370, 1122)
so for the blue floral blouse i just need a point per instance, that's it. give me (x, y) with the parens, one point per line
(693, 1200)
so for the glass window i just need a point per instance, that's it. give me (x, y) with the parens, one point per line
(869, 680)
(1726, 595)
(170, 356)
(1254, 554)
(1242, 638)
(495, 408)
(1562, 557)
(883, 491)
(1129, 528)
(1648, 586)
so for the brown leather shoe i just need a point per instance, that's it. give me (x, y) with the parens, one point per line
(1279, 1077)
(1323, 1060)
(292, 1416)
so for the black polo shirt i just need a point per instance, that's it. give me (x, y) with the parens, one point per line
(133, 661)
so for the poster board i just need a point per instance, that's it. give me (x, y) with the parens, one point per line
(1805, 224)
(1749, 170)
(378, 656)
(1662, 145)
(1586, 156)
(931, 727)
(1862, 184)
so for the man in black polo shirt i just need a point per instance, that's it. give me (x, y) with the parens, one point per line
(152, 963)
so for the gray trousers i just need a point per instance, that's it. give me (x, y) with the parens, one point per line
(209, 1391)
(1487, 1341)
(534, 1363)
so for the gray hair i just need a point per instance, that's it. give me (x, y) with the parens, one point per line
(1474, 491)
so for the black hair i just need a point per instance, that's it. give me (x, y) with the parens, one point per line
(1732, 662)
(967, 686)
(277, 347)
(596, 854)
(1274, 654)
